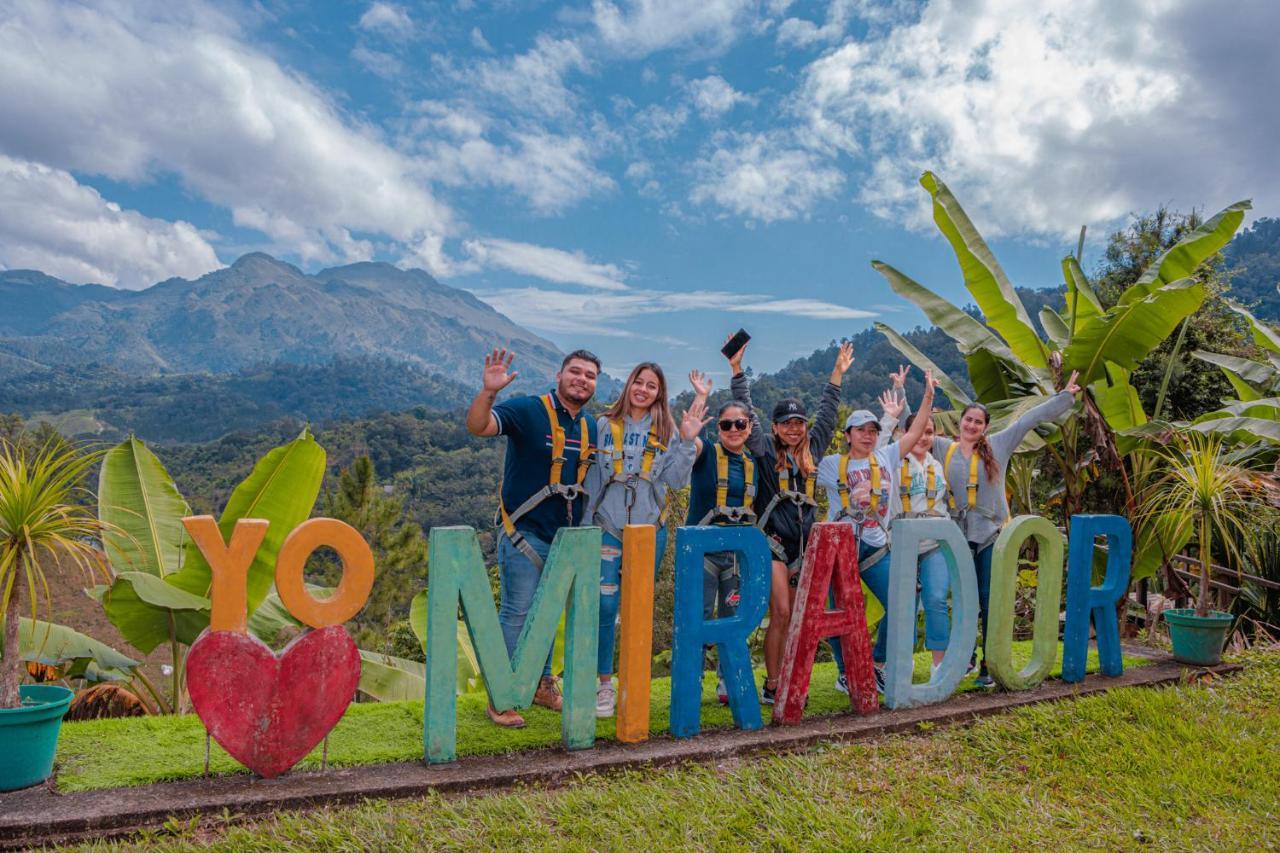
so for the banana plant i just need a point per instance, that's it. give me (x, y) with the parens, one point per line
(1256, 412)
(159, 591)
(1010, 363)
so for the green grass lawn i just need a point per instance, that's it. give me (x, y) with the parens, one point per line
(1187, 767)
(141, 750)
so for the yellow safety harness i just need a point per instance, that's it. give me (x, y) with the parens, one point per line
(653, 447)
(971, 488)
(569, 491)
(800, 499)
(879, 486)
(931, 488)
(732, 514)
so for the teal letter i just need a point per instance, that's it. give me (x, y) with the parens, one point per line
(900, 612)
(570, 584)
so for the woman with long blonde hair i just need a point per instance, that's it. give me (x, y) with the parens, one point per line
(641, 457)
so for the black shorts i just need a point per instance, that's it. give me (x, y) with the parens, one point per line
(790, 553)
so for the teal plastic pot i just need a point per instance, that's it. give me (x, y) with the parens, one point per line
(1198, 639)
(29, 735)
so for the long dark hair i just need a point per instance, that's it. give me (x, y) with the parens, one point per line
(659, 409)
(803, 455)
(983, 447)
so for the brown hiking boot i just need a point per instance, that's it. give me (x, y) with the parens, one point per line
(507, 719)
(548, 695)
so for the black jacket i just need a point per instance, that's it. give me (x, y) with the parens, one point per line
(788, 522)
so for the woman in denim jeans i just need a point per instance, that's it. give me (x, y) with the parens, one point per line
(638, 464)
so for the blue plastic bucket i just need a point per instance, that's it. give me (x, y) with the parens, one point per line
(29, 735)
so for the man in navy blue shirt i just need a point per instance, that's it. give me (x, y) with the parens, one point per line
(541, 486)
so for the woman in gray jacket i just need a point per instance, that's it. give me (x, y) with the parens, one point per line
(978, 502)
(640, 459)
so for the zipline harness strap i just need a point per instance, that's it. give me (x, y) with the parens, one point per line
(879, 491)
(569, 491)
(652, 448)
(732, 514)
(800, 499)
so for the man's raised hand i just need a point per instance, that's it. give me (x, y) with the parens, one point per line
(497, 368)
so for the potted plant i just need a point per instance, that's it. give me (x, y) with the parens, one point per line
(39, 520)
(1207, 492)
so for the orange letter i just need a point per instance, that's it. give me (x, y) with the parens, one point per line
(229, 566)
(357, 572)
(638, 542)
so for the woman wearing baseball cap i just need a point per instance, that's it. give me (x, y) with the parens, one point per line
(785, 501)
(860, 489)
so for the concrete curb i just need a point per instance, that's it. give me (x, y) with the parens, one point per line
(40, 815)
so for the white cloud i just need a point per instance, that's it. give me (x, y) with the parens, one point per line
(563, 311)
(713, 96)
(132, 93)
(532, 82)
(636, 28)
(764, 177)
(379, 62)
(387, 19)
(54, 224)
(546, 263)
(479, 42)
(1044, 115)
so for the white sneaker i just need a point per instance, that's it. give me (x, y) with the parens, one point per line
(606, 699)
(933, 670)
(842, 684)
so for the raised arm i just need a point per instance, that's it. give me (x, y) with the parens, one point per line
(824, 423)
(701, 383)
(1006, 441)
(675, 466)
(497, 375)
(911, 436)
(759, 443)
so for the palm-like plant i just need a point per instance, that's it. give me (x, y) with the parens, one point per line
(39, 520)
(1211, 493)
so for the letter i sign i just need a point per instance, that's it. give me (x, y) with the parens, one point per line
(268, 710)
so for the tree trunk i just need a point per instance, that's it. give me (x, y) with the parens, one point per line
(11, 666)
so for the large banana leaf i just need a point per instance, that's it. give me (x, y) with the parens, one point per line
(148, 610)
(1262, 407)
(387, 678)
(270, 618)
(968, 333)
(984, 277)
(142, 509)
(953, 391)
(1082, 302)
(282, 489)
(1263, 335)
(1182, 259)
(1127, 333)
(1242, 430)
(1259, 374)
(1055, 327)
(76, 655)
(991, 379)
(1119, 404)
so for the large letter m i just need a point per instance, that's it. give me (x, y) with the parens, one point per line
(570, 584)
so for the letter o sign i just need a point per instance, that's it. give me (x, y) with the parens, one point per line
(357, 572)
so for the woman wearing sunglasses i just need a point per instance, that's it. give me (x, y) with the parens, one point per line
(722, 489)
(638, 463)
(860, 489)
(787, 507)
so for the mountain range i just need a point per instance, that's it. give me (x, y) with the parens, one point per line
(257, 311)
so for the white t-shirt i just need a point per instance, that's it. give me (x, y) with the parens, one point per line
(859, 470)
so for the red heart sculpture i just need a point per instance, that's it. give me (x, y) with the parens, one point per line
(267, 710)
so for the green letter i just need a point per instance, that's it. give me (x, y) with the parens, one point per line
(1004, 582)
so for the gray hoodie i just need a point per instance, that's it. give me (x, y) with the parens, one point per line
(606, 501)
(992, 507)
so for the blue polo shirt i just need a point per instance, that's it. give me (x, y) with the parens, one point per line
(523, 420)
(702, 482)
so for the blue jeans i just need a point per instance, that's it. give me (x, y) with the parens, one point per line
(610, 592)
(518, 580)
(878, 581)
(982, 565)
(935, 582)
(720, 583)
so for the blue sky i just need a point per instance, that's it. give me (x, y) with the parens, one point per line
(639, 177)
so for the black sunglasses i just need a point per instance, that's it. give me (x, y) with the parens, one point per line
(734, 423)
